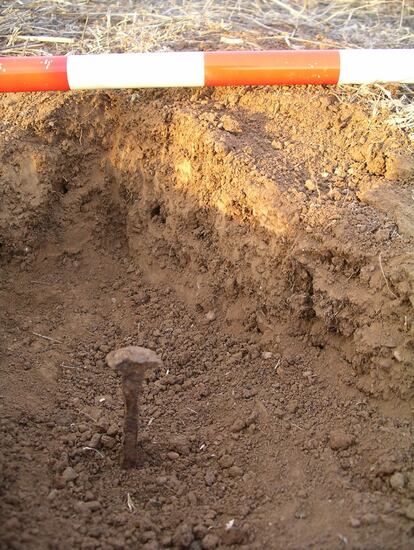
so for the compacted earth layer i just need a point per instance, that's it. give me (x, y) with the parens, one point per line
(261, 242)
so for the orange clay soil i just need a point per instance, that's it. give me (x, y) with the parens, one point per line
(261, 242)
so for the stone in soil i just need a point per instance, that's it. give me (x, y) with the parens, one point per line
(340, 440)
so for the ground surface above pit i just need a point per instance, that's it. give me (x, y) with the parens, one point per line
(261, 241)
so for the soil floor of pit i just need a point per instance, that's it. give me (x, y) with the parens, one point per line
(259, 431)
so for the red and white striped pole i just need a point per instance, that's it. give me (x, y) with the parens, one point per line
(179, 69)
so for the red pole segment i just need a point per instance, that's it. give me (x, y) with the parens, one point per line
(271, 67)
(33, 74)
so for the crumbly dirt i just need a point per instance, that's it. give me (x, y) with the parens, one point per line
(259, 240)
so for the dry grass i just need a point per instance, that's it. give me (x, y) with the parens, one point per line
(70, 26)
(36, 27)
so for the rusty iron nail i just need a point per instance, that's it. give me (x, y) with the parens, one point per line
(132, 362)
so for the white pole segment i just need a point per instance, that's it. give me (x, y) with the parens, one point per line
(368, 66)
(135, 70)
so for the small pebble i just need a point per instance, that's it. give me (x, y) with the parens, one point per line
(108, 442)
(235, 471)
(238, 426)
(226, 461)
(210, 541)
(112, 430)
(339, 440)
(141, 298)
(310, 186)
(95, 441)
(292, 407)
(172, 455)
(102, 424)
(233, 536)
(210, 316)
(180, 444)
(230, 124)
(397, 481)
(209, 478)
(69, 474)
(82, 428)
(89, 496)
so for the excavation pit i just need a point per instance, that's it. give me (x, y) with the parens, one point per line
(261, 242)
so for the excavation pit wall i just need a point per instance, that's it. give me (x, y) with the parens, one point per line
(286, 212)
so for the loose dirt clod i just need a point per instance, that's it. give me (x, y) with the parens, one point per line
(132, 362)
(340, 440)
